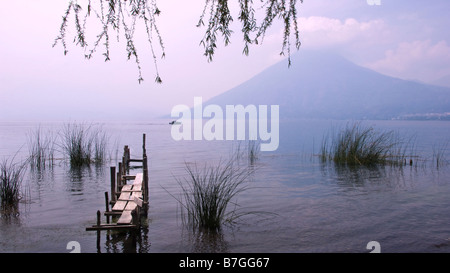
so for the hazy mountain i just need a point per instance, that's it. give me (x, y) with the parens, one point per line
(323, 85)
(443, 81)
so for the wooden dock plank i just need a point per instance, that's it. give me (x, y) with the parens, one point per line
(127, 187)
(125, 196)
(131, 191)
(132, 198)
(138, 201)
(119, 205)
(125, 218)
(135, 160)
(138, 179)
(131, 206)
(110, 227)
(137, 187)
(128, 177)
(136, 194)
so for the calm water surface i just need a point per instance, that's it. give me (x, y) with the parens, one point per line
(314, 207)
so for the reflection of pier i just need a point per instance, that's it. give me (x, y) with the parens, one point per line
(129, 196)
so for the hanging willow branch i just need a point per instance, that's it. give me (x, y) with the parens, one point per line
(119, 16)
(220, 19)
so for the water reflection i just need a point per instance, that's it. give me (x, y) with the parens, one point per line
(125, 242)
(364, 177)
(10, 214)
(77, 176)
(76, 181)
(41, 175)
(203, 241)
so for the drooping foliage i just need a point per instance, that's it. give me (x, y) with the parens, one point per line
(120, 17)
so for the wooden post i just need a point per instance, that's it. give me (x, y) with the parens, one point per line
(124, 165)
(113, 183)
(98, 218)
(126, 158)
(145, 172)
(107, 206)
(98, 231)
(119, 177)
(145, 177)
(143, 145)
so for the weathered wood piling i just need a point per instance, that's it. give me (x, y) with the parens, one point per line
(129, 200)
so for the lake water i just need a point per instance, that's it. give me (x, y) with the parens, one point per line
(311, 206)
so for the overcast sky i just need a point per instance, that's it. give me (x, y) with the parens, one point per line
(408, 39)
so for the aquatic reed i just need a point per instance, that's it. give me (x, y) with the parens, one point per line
(439, 155)
(11, 175)
(84, 144)
(253, 149)
(76, 144)
(100, 140)
(249, 150)
(41, 149)
(359, 145)
(208, 192)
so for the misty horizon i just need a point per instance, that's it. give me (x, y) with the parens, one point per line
(41, 83)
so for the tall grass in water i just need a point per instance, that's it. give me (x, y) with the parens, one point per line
(41, 149)
(358, 145)
(253, 149)
(439, 155)
(76, 144)
(208, 194)
(249, 150)
(84, 144)
(11, 176)
(100, 142)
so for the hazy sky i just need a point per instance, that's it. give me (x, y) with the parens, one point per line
(403, 38)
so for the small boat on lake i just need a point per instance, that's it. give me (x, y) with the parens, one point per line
(174, 122)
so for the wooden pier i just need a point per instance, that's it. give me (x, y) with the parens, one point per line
(129, 195)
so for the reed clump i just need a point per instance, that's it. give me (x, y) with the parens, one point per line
(100, 141)
(42, 148)
(84, 144)
(80, 143)
(11, 176)
(208, 194)
(359, 145)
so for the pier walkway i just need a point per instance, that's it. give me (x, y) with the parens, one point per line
(129, 195)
